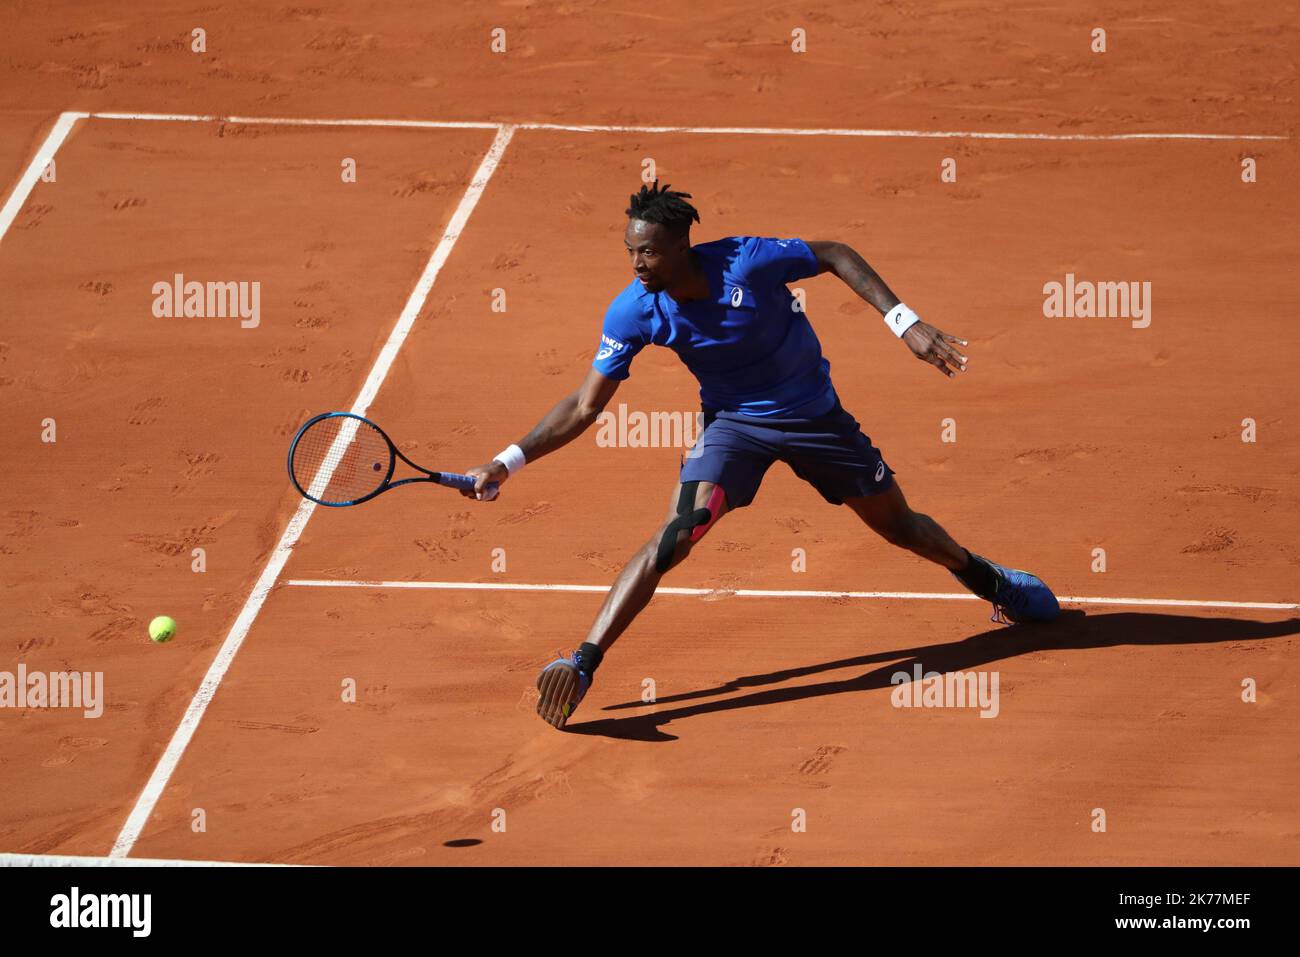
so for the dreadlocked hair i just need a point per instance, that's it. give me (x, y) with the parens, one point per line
(663, 206)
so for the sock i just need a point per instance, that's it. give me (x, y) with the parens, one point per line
(588, 658)
(978, 576)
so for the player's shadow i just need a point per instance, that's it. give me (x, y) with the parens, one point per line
(1073, 630)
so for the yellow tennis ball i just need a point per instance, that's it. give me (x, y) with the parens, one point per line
(162, 629)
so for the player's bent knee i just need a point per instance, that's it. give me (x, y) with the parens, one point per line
(715, 506)
(690, 519)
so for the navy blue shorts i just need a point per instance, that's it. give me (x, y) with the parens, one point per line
(829, 452)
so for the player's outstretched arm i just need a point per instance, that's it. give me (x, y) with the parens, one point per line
(569, 418)
(926, 342)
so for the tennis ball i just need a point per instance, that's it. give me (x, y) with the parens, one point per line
(162, 629)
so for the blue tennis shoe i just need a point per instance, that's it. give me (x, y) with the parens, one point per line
(1021, 597)
(563, 685)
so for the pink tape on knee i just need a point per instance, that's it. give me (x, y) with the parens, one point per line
(717, 502)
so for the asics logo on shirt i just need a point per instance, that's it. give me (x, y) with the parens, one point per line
(736, 296)
(610, 347)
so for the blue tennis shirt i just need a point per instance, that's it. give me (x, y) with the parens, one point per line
(752, 351)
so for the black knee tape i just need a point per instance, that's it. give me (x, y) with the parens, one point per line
(688, 517)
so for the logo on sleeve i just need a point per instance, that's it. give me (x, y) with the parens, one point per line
(736, 296)
(609, 347)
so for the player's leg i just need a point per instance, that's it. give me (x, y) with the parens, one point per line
(860, 479)
(833, 455)
(696, 507)
(722, 473)
(1016, 595)
(889, 516)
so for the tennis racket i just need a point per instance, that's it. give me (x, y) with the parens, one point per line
(338, 459)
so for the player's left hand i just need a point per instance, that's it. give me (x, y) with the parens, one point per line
(930, 345)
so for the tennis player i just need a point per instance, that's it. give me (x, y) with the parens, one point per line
(766, 395)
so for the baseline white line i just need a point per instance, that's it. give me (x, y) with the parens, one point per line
(62, 127)
(65, 860)
(782, 593)
(705, 130)
(162, 772)
(160, 117)
(897, 134)
(300, 121)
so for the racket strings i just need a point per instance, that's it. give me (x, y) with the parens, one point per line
(341, 459)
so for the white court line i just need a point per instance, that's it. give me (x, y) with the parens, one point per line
(65, 860)
(333, 456)
(895, 134)
(704, 130)
(783, 593)
(225, 655)
(62, 127)
(300, 121)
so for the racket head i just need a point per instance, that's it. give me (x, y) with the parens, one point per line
(339, 459)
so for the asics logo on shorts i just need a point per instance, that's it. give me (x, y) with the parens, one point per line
(880, 471)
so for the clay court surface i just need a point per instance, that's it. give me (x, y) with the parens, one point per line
(1072, 434)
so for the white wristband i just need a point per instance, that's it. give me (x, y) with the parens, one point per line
(900, 319)
(512, 458)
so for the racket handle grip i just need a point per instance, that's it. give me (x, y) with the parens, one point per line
(466, 482)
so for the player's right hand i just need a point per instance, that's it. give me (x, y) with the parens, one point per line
(493, 471)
